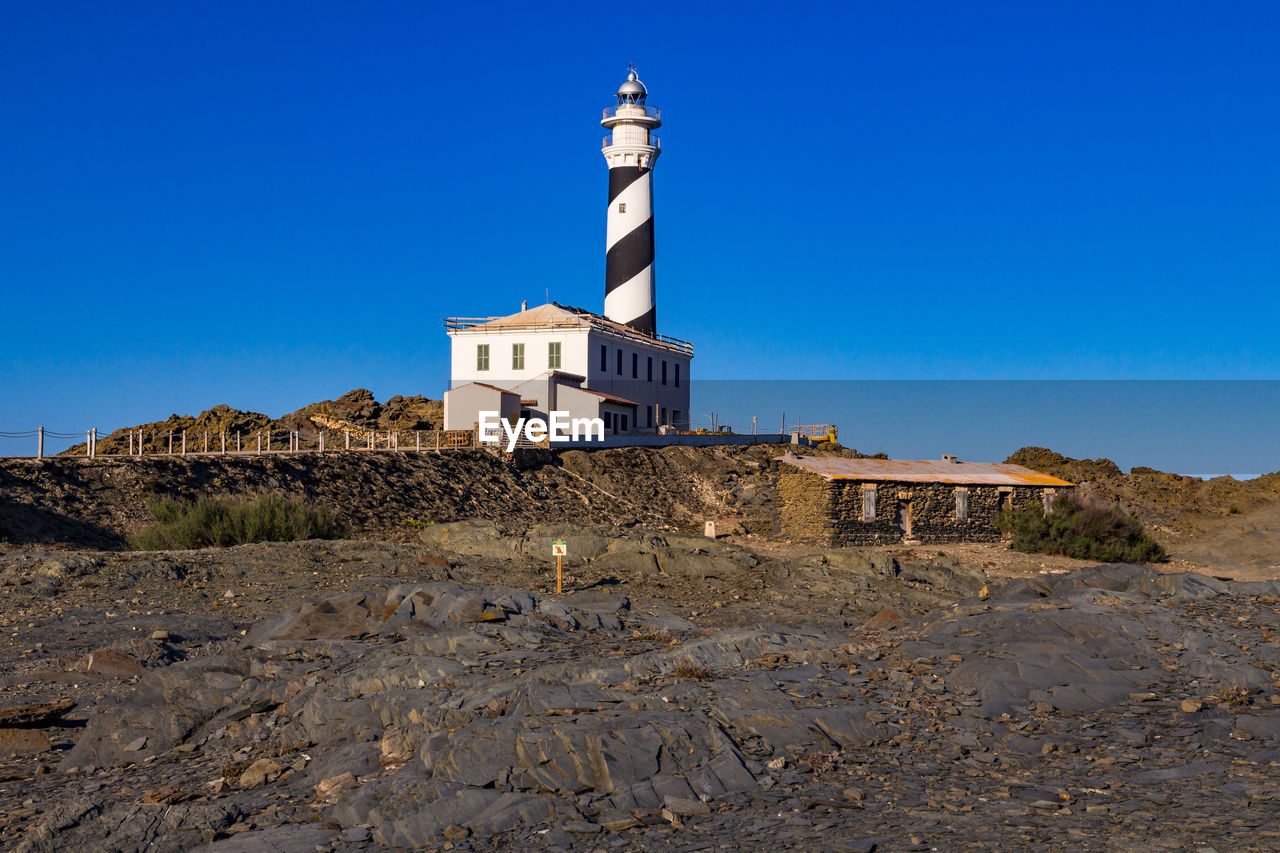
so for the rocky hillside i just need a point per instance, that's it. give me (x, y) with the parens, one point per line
(356, 410)
(1224, 522)
(96, 502)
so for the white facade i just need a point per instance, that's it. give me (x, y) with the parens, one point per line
(642, 382)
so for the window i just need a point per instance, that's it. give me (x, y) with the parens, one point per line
(553, 355)
(675, 418)
(624, 424)
(517, 356)
(868, 503)
(1050, 495)
(482, 357)
(635, 365)
(664, 373)
(622, 207)
(619, 361)
(677, 374)
(962, 504)
(604, 359)
(648, 413)
(650, 372)
(662, 415)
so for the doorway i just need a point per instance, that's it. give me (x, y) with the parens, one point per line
(904, 518)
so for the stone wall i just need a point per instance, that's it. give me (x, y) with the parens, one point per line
(813, 509)
(804, 505)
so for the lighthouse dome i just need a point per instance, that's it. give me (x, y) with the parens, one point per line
(632, 89)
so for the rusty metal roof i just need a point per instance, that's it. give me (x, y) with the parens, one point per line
(922, 471)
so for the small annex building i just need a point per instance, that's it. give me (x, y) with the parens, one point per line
(837, 501)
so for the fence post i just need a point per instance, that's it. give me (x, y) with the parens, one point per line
(184, 442)
(206, 442)
(417, 436)
(39, 442)
(348, 432)
(142, 439)
(268, 441)
(437, 441)
(223, 436)
(130, 442)
(371, 439)
(88, 444)
(259, 444)
(322, 442)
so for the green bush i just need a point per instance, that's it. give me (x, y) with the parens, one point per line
(218, 522)
(1084, 529)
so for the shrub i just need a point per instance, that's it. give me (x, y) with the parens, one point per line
(1084, 529)
(182, 525)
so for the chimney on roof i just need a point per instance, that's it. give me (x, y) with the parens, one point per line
(950, 457)
(524, 305)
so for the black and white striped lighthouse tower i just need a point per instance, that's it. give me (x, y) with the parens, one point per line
(630, 150)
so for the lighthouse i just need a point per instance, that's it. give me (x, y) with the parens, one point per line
(555, 358)
(630, 150)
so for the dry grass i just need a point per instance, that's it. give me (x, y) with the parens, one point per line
(822, 762)
(691, 670)
(1231, 694)
(662, 635)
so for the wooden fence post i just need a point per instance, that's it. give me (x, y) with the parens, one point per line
(437, 441)
(268, 441)
(348, 432)
(259, 444)
(39, 442)
(88, 444)
(223, 435)
(142, 440)
(371, 439)
(184, 442)
(206, 442)
(130, 442)
(417, 437)
(237, 441)
(170, 442)
(322, 442)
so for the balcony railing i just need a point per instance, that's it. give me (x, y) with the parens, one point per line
(651, 112)
(655, 141)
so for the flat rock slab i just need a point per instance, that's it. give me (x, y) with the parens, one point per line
(35, 713)
(112, 663)
(23, 742)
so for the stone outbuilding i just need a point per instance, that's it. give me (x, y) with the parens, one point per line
(838, 501)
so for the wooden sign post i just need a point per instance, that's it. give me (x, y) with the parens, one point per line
(558, 550)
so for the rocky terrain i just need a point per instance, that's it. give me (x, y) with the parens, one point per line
(80, 502)
(1227, 524)
(356, 410)
(683, 693)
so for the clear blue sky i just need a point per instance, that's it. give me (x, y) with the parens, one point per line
(266, 204)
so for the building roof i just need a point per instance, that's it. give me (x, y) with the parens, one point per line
(608, 398)
(556, 316)
(923, 471)
(491, 387)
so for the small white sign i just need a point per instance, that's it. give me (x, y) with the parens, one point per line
(558, 548)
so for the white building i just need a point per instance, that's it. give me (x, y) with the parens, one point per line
(556, 358)
(563, 359)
